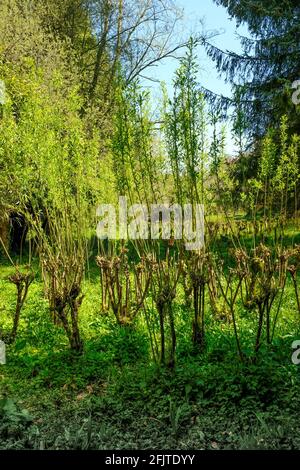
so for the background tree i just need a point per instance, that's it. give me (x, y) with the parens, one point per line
(264, 73)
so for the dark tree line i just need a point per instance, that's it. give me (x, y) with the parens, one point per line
(262, 76)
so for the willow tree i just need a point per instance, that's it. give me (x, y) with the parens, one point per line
(186, 141)
(54, 176)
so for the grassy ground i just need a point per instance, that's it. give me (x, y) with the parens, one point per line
(114, 397)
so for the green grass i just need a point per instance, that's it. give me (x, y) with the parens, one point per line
(115, 397)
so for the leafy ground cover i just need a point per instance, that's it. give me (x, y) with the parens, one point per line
(114, 397)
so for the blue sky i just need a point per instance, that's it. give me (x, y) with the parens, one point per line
(215, 18)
